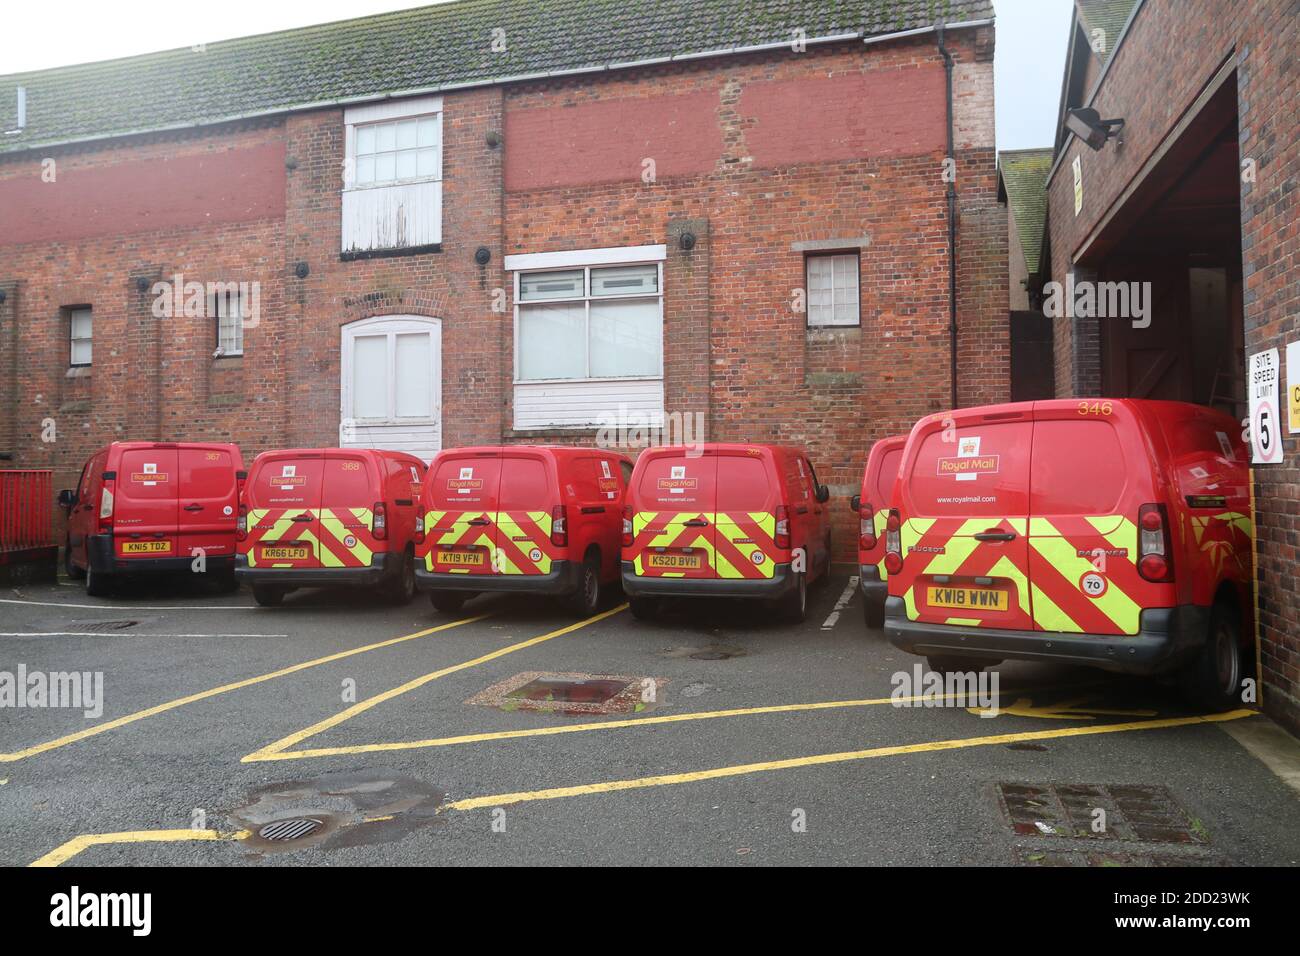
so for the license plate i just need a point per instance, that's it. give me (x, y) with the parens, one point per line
(283, 553)
(462, 558)
(969, 599)
(146, 547)
(675, 562)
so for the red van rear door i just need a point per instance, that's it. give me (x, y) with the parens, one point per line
(673, 499)
(747, 498)
(461, 506)
(351, 486)
(1089, 477)
(965, 509)
(146, 506)
(208, 501)
(284, 500)
(527, 494)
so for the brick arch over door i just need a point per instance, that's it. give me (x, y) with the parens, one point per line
(391, 384)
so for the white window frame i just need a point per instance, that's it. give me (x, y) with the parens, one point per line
(73, 338)
(355, 119)
(856, 256)
(218, 303)
(391, 326)
(585, 261)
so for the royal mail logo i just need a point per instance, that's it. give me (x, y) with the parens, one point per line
(464, 484)
(149, 477)
(286, 481)
(676, 484)
(607, 484)
(974, 465)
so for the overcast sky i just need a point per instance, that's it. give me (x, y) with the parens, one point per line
(1031, 37)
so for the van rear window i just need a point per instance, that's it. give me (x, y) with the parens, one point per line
(206, 472)
(980, 471)
(677, 483)
(348, 483)
(525, 485)
(745, 484)
(148, 474)
(1078, 468)
(884, 489)
(465, 484)
(287, 483)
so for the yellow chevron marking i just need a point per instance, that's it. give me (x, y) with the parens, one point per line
(1050, 617)
(1063, 556)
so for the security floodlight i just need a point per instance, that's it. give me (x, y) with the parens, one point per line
(1088, 125)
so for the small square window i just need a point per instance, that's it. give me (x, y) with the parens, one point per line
(80, 326)
(396, 151)
(833, 290)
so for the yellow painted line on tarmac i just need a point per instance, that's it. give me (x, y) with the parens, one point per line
(223, 689)
(609, 725)
(276, 750)
(61, 854)
(612, 786)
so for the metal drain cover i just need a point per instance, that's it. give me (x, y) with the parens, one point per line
(282, 831)
(711, 656)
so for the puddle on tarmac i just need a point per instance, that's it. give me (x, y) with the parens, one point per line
(354, 808)
(569, 690)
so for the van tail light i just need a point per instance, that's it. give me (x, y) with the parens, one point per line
(419, 529)
(241, 523)
(627, 526)
(379, 526)
(1155, 558)
(560, 526)
(106, 506)
(782, 536)
(893, 543)
(866, 527)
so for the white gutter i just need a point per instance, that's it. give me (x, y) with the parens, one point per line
(492, 81)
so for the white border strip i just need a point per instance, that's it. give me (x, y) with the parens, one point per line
(619, 255)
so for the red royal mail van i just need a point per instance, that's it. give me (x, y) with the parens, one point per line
(1114, 533)
(316, 517)
(725, 520)
(153, 506)
(872, 507)
(522, 518)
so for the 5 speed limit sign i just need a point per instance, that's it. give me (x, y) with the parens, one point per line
(1265, 428)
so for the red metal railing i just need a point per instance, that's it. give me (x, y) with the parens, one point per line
(26, 509)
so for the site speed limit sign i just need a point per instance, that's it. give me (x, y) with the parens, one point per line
(1265, 428)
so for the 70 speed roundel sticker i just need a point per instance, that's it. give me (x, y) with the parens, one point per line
(1093, 584)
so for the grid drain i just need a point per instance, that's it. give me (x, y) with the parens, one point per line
(282, 831)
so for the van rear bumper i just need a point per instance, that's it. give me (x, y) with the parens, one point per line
(1165, 638)
(101, 557)
(381, 568)
(874, 590)
(564, 578)
(636, 585)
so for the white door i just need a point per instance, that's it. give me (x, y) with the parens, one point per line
(392, 385)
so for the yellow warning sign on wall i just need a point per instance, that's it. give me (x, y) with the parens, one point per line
(1293, 386)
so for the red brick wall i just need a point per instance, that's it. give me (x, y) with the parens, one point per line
(1172, 50)
(865, 168)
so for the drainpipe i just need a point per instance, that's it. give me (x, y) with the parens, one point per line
(952, 223)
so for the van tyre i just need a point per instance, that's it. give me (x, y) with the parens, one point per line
(448, 602)
(74, 573)
(402, 587)
(873, 613)
(268, 596)
(793, 608)
(643, 608)
(98, 584)
(586, 600)
(1212, 679)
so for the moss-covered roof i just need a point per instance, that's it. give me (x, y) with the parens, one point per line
(1109, 16)
(1024, 178)
(425, 48)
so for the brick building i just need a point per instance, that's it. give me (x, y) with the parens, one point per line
(507, 221)
(1199, 200)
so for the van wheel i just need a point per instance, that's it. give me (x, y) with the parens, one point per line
(643, 608)
(448, 602)
(957, 665)
(1213, 677)
(268, 596)
(402, 588)
(586, 600)
(793, 608)
(98, 584)
(227, 582)
(74, 573)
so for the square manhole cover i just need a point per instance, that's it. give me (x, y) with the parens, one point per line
(1147, 814)
(573, 693)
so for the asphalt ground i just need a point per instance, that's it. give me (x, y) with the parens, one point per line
(740, 741)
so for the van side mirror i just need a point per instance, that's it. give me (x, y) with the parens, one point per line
(823, 494)
(856, 503)
(67, 498)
